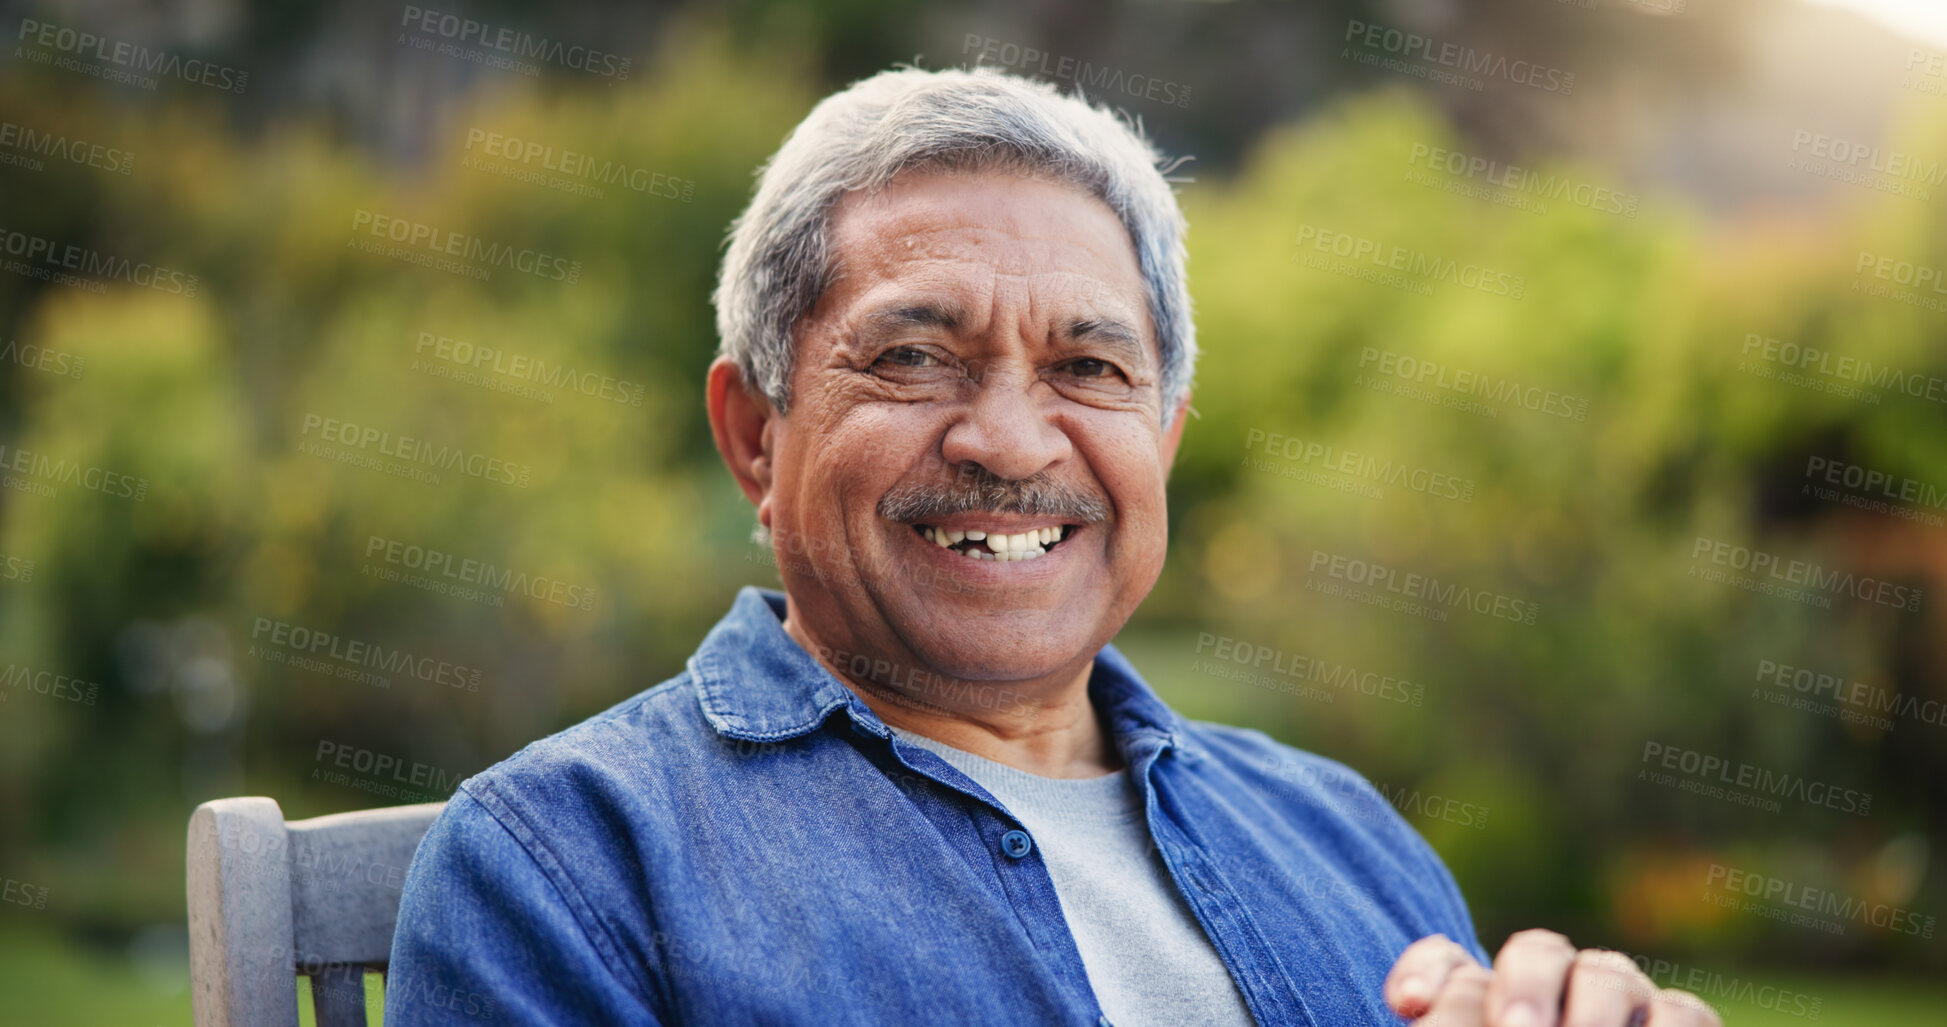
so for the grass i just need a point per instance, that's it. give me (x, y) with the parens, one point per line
(51, 980)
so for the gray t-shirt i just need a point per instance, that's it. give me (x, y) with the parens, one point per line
(1148, 959)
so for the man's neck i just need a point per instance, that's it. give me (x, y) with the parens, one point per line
(1047, 727)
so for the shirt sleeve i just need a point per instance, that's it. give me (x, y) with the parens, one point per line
(485, 937)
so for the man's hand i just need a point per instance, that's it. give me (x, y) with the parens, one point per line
(1538, 980)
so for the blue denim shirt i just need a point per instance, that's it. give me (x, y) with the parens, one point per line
(748, 843)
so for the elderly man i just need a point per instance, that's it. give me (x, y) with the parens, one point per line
(920, 786)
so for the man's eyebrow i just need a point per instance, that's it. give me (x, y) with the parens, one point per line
(918, 315)
(1117, 334)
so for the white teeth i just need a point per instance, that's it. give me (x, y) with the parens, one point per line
(1001, 546)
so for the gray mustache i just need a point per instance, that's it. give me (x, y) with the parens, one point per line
(978, 490)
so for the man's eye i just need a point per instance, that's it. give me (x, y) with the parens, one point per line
(908, 356)
(1089, 367)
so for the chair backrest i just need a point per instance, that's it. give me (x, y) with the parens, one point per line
(269, 900)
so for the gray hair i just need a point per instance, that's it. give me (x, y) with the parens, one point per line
(779, 263)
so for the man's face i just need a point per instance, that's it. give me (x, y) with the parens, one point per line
(983, 369)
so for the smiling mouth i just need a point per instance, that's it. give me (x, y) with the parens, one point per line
(1003, 547)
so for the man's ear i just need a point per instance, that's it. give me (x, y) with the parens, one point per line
(1173, 435)
(742, 421)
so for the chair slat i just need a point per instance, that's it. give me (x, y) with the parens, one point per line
(338, 996)
(347, 873)
(270, 899)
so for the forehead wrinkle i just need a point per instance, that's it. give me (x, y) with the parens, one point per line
(955, 317)
(1005, 252)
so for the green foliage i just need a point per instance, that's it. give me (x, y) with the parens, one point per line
(164, 602)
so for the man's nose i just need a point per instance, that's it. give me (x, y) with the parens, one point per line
(1007, 428)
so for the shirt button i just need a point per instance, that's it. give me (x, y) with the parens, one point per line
(1016, 843)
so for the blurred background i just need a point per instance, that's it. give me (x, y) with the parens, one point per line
(1569, 454)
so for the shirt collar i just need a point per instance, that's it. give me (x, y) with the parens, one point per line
(756, 683)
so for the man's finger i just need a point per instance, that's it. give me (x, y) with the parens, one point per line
(1530, 973)
(1463, 1002)
(1674, 1008)
(1606, 989)
(1420, 973)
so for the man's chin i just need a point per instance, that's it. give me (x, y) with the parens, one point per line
(1000, 646)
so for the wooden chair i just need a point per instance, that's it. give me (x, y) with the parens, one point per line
(269, 900)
